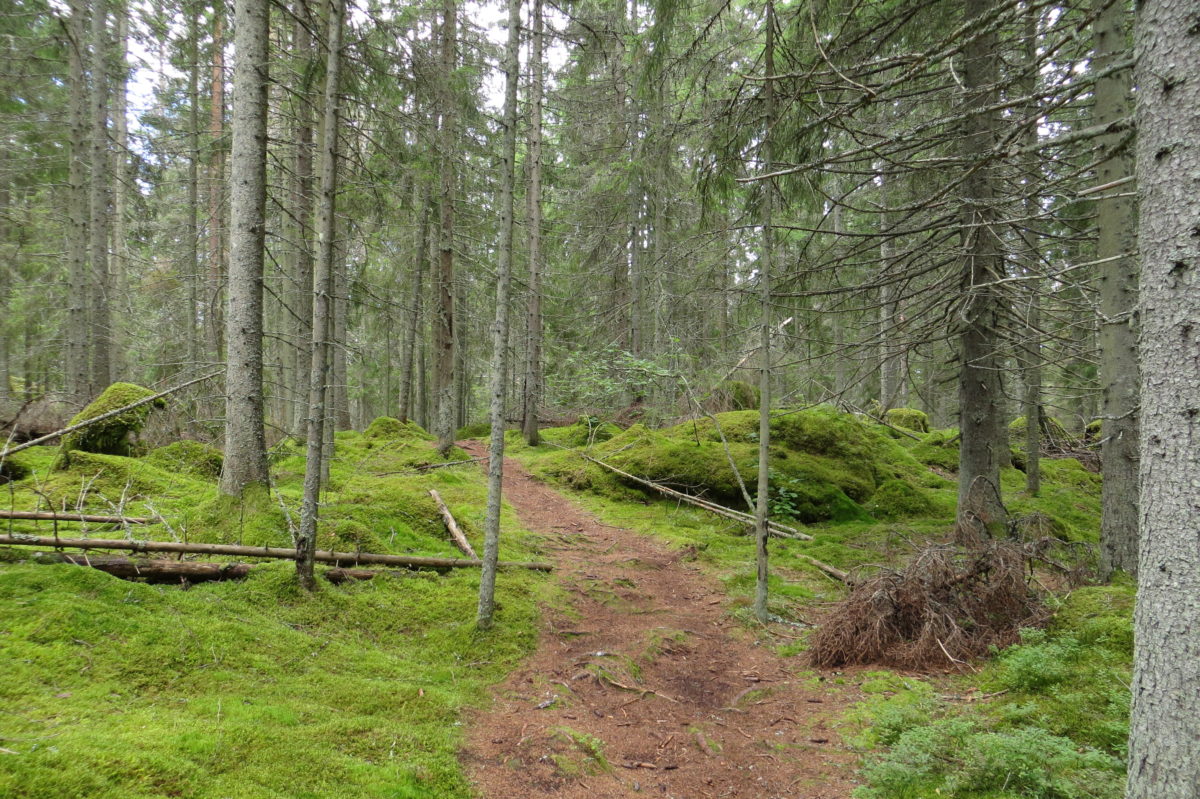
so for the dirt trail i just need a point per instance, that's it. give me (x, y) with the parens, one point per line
(644, 686)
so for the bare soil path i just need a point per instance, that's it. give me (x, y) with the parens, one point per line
(643, 685)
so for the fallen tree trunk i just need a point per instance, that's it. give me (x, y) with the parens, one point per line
(777, 529)
(103, 416)
(68, 516)
(175, 571)
(278, 553)
(460, 540)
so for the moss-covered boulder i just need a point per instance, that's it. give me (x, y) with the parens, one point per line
(12, 470)
(188, 457)
(113, 435)
(1093, 432)
(940, 449)
(1054, 434)
(473, 430)
(585, 431)
(897, 499)
(908, 419)
(387, 428)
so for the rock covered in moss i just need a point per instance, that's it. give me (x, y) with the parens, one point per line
(896, 499)
(188, 457)
(111, 436)
(389, 428)
(908, 419)
(940, 449)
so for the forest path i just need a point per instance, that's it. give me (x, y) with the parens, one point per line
(642, 684)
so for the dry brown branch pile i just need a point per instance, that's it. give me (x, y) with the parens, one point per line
(949, 605)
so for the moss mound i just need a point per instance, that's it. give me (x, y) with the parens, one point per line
(896, 499)
(473, 430)
(12, 470)
(111, 436)
(391, 429)
(940, 449)
(908, 419)
(188, 457)
(585, 431)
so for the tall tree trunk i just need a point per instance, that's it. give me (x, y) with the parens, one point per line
(532, 386)
(78, 361)
(980, 401)
(1164, 749)
(1115, 248)
(443, 320)
(245, 439)
(499, 376)
(408, 392)
(216, 190)
(302, 203)
(121, 184)
(340, 350)
(306, 541)
(191, 222)
(765, 265)
(100, 324)
(1031, 267)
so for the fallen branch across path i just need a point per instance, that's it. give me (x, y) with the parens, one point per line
(277, 553)
(103, 416)
(777, 529)
(68, 516)
(460, 540)
(175, 571)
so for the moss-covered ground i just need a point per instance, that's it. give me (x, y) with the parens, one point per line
(252, 689)
(1046, 719)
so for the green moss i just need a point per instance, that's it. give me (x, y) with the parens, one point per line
(188, 457)
(390, 429)
(474, 430)
(587, 430)
(897, 499)
(13, 469)
(1093, 432)
(940, 449)
(111, 436)
(908, 419)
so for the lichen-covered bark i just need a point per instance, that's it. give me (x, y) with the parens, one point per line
(1164, 747)
(245, 440)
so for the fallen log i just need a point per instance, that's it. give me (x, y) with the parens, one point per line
(777, 529)
(278, 553)
(175, 571)
(103, 416)
(460, 540)
(69, 516)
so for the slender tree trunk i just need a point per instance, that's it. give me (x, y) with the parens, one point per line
(765, 265)
(77, 202)
(191, 222)
(100, 325)
(216, 189)
(245, 439)
(1115, 249)
(341, 372)
(302, 203)
(980, 399)
(444, 322)
(1031, 267)
(408, 350)
(306, 541)
(121, 183)
(1164, 749)
(499, 376)
(533, 343)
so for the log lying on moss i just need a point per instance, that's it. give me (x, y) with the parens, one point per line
(69, 516)
(278, 553)
(176, 571)
(452, 527)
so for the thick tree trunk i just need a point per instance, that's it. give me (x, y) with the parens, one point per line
(99, 325)
(245, 440)
(77, 205)
(443, 320)
(323, 285)
(532, 386)
(1116, 250)
(499, 376)
(1164, 749)
(980, 395)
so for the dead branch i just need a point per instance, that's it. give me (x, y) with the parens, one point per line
(68, 516)
(456, 534)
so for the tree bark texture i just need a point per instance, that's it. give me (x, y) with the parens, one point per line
(1164, 747)
(532, 385)
(214, 307)
(77, 208)
(980, 398)
(1116, 247)
(245, 440)
(317, 451)
(99, 324)
(499, 376)
(302, 203)
(443, 321)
